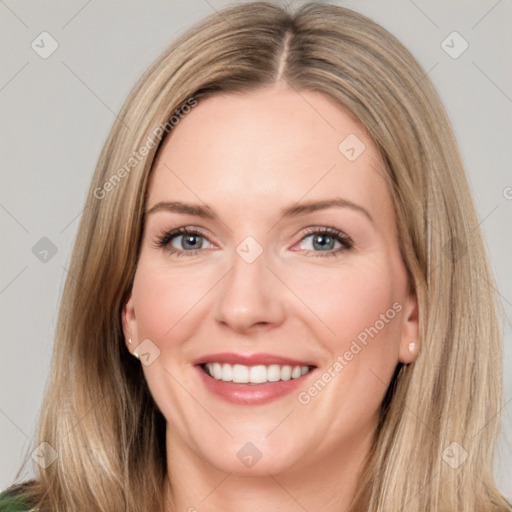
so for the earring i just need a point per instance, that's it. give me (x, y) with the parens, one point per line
(134, 354)
(412, 347)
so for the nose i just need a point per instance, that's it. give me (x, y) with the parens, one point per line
(251, 298)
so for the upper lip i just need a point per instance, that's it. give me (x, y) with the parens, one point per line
(250, 359)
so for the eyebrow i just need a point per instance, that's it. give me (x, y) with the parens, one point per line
(295, 210)
(178, 207)
(313, 206)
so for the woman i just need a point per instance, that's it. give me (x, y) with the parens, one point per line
(278, 297)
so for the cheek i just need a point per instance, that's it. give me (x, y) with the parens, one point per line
(167, 300)
(352, 298)
(361, 306)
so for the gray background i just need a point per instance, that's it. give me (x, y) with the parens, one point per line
(56, 113)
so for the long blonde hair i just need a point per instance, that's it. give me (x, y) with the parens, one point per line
(98, 414)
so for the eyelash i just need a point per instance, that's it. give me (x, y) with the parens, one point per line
(164, 240)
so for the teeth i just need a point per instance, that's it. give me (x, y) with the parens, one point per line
(242, 374)
(217, 371)
(227, 372)
(258, 374)
(273, 373)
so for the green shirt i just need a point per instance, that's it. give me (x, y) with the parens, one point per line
(10, 503)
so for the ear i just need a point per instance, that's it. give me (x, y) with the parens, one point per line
(409, 343)
(129, 322)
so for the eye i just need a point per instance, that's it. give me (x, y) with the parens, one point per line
(318, 241)
(328, 241)
(184, 241)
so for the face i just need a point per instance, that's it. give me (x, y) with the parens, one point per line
(270, 302)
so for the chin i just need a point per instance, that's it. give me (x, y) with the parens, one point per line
(257, 457)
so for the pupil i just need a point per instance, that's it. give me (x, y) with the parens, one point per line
(322, 241)
(189, 241)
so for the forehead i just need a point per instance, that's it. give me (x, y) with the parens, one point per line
(260, 150)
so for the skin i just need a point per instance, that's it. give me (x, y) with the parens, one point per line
(247, 156)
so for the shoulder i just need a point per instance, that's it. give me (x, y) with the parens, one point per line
(9, 503)
(16, 499)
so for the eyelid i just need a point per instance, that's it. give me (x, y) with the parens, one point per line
(345, 240)
(310, 230)
(166, 235)
(164, 239)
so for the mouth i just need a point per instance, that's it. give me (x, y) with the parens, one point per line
(252, 379)
(259, 374)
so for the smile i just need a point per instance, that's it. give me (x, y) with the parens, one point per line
(252, 379)
(242, 374)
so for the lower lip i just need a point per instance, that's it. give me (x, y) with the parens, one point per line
(251, 394)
